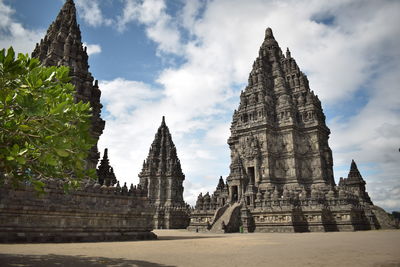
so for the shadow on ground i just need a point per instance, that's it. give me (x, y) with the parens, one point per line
(8, 260)
(185, 237)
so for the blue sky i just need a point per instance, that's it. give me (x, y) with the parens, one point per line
(188, 60)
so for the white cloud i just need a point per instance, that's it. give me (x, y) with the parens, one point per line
(14, 34)
(160, 27)
(92, 48)
(91, 13)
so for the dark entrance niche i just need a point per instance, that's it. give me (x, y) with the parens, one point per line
(251, 173)
(234, 193)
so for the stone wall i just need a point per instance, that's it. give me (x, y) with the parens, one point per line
(200, 220)
(317, 211)
(94, 213)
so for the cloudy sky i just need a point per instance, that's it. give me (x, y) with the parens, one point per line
(188, 60)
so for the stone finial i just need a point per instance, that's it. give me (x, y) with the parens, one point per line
(354, 173)
(124, 189)
(288, 55)
(269, 34)
(221, 183)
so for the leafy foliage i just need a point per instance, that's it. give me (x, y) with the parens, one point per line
(43, 132)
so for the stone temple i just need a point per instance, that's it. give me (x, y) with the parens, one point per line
(162, 178)
(281, 176)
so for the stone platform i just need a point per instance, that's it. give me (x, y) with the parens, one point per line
(92, 214)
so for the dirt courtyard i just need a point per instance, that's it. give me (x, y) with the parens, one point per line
(182, 248)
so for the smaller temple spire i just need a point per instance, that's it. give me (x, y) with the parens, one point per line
(162, 163)
(105, 172)
(221, 183)
(288, 53)
(354, 173)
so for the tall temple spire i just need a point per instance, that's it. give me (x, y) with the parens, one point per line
(161, 171)
(278, 131)
(281, 171)
(62, 45)
(163, 178)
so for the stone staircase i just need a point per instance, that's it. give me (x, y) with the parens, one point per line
(230, 215)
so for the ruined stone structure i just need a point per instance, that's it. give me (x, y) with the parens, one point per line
(62, 45)
(281, 176)
(94, 213)
(162, 177)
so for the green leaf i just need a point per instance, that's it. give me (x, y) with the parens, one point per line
(21, 160)
(39, 186)
(15, 150)
(10, 56)
(10, 158)
(58, 108)
(62, 152)
(51, 161)
(24, 127)
(2, 55)
(22, 152)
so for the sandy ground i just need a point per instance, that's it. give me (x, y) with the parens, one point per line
(182, 248)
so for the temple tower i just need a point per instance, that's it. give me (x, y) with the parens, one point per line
(62, 45)
(278, 136)
(162, 176)
(281, 177)
(355, 183)
(105, 172)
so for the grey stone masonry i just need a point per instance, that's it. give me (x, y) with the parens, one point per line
(93, 213)
(62, 46)
(162, 177)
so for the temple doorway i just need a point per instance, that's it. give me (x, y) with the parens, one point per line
(234, 193)
(251, 174)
